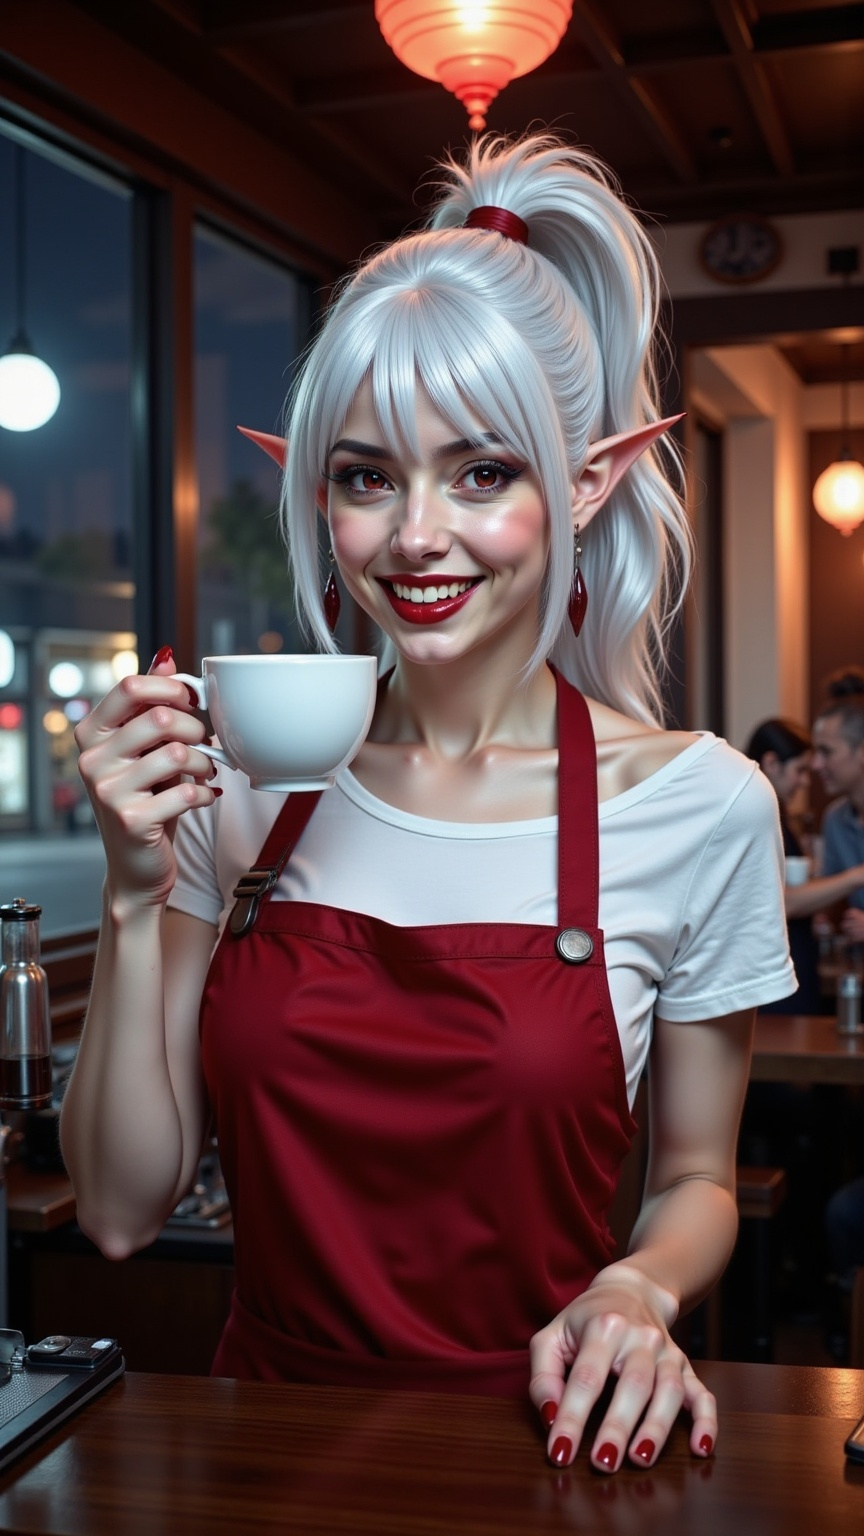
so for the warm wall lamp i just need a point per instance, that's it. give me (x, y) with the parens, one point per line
(29, 391)
(473, 47)
(838, 494)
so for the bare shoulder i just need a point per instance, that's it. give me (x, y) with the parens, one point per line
(628, 751)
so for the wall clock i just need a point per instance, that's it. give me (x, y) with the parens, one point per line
(742, 248)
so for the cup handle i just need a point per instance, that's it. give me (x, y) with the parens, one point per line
(197, 684)
(199, 687)
(217, 755)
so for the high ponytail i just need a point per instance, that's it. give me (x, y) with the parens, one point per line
(637, 554)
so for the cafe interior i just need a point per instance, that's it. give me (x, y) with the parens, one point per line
(181, 184)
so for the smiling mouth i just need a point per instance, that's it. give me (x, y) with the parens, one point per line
(428, 600)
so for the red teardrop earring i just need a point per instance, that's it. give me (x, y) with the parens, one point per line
(332, 600)
(577, 607)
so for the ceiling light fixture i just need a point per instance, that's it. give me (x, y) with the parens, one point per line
(838, 494)
(29, 390)
(473, 47)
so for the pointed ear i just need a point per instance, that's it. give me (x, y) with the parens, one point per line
(607, 461)
(277, 447)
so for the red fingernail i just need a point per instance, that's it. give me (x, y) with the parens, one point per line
(164, 653)
(645, 1450)
(217, 792)
(561, 1451)
(547, 1414)
(193, 697)
(706, 1445)
(607, 1456)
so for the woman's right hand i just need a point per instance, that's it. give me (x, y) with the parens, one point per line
(133, 747)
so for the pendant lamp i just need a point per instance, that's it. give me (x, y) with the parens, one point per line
(473, 47)
(838, 494)
(29, 391)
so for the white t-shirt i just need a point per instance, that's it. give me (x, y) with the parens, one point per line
(691, 890)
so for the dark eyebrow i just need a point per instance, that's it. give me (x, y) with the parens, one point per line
(446, 451)
(368, 450)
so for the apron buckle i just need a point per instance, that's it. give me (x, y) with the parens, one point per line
(249, 890)
(574, 945)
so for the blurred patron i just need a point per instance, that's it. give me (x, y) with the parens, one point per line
(783, 751)
(844, 683)
(838, 758)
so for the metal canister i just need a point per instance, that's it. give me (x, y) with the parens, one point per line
(25, 1018)
(849, 1004)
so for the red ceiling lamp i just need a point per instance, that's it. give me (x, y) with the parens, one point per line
(473, 47)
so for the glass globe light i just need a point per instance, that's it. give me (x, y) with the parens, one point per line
(838, 494)
(29, 389)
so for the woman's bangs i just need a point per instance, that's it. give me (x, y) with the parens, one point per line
(436, 345)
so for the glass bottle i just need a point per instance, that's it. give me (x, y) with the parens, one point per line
(25, 1018)
(849, 1004)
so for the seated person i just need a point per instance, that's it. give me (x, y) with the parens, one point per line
(838, 757)
(783, 752)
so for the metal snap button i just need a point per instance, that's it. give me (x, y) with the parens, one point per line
(574, 945)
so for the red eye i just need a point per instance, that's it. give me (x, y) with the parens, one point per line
(485, 476)
(489, 476)
(361, 479)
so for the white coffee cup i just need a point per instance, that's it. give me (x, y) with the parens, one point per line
(797, 870)
(287, 722)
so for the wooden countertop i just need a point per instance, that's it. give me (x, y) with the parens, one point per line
(187, 1456)
(36, 1201)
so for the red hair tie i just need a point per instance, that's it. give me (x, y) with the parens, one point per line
(499, 219)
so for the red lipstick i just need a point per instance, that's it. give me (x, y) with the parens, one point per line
(427, 613)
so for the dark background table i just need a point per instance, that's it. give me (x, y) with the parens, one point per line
(181, 1456)
(802, 1049)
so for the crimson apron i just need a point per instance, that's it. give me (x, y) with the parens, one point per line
(420, 1128)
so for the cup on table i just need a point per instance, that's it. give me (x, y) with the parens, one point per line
(287, 722)
(797, 870)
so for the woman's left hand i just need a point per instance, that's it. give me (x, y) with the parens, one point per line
(620, 1325)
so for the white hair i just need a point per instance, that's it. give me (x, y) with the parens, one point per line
(550, 345)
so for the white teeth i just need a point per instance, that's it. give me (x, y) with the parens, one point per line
(429, 594)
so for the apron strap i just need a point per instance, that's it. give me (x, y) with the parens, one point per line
(578, 831)
(260, 881)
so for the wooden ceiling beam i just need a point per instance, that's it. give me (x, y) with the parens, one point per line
(816, 31)
(647, 107)
(817, 188)
(234, 21)
(739, 37)
(835, 26)
(341, 94)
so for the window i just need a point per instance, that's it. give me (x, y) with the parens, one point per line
(97, 525)
(66, 579)
(251, 317)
